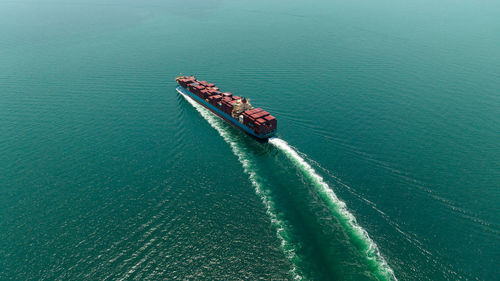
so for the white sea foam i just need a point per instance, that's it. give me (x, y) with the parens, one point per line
(279, 225)
(339, 208)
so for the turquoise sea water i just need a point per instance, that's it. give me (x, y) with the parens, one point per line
(386, 165)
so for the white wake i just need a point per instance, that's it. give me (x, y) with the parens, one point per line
(339, 209)
(279, 225)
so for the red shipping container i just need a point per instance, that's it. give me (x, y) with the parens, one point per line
(260, 114)
(261, 120)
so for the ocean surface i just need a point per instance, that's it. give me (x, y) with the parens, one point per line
(386, 165)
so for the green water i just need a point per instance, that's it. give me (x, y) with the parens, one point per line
(386, 165)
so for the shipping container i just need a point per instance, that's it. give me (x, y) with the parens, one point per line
(256, 110)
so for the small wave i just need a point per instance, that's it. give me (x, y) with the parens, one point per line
(370, 249)
(408, 236)
(280, 226)
(412, 181)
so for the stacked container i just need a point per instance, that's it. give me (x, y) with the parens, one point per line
(213, 100)
(227, 107)
(259, 120)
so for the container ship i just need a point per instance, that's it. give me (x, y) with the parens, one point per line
(237, 111)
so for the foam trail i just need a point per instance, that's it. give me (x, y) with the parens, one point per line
(281, 228)
(339, 209)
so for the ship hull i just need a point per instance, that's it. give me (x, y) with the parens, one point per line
(229, 119)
